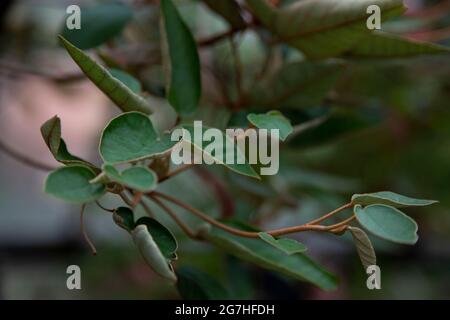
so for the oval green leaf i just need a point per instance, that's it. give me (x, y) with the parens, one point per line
(118, 92)
(297, 266)
(364, 247)
(99, 24)
(272, 120)
(131, 137)
(181, 60)
(296, 85)
(387, 223)
(137, 177)
(72, 184)
(194, 284)
(163, 237)
(151, 253)
(124, 218)
(323, 28)
(389, 198)
(288, 246)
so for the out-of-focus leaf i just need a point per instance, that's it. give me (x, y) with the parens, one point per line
(297, 266)
(139, 178)
(391, 199)
(387, 223)
(296, 85)
(364, 247)
(51, 132)
(239, 163)
(272, 120)
(339, 123)
(99, 24)
(385, 45)
(127, 79)
(163, 237)
(151, 253)
(322, 28)
(288, 246)
(131, 137)
(72, 184)
(229, 10)
(118, 92)
(124, 218)
(181, 60)
(194, 284)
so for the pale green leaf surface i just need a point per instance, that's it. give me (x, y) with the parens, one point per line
(387, 223)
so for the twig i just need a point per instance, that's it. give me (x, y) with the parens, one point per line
(24, 159)
(332, 213)
(181, 224)
(176, 171)
(219, 189)
(216, 38)
(83, 231)
(103, 208)
(247, 234)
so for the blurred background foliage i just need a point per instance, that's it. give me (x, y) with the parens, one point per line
(379, 125)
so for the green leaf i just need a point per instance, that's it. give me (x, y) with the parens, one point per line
(131, 137)
(99, 24)
(124, 218)
(297, 266)
(194, 284)
(127, 79)
(151, 253)
(272, 120)
(240, 164)
(296, 85)
(72, 184)
(323, 28)
(364, 247)
(51, 132)
(385, 45)
(390, 198)
(139, 178)
(229, 10)
(163, 237)
(181, 61)
(387, 223)
(288, 246)
(118, 92)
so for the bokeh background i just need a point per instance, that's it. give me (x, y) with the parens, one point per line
(391, 131)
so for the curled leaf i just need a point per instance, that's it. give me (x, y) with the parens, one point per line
(124, 218)
(118, 92)
(152, 254)
(364, 247)
(51, 133)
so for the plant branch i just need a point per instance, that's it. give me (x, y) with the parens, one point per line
(176, 171)
(247, 234)
(24, 159)
(181, 224)
(84, 233)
